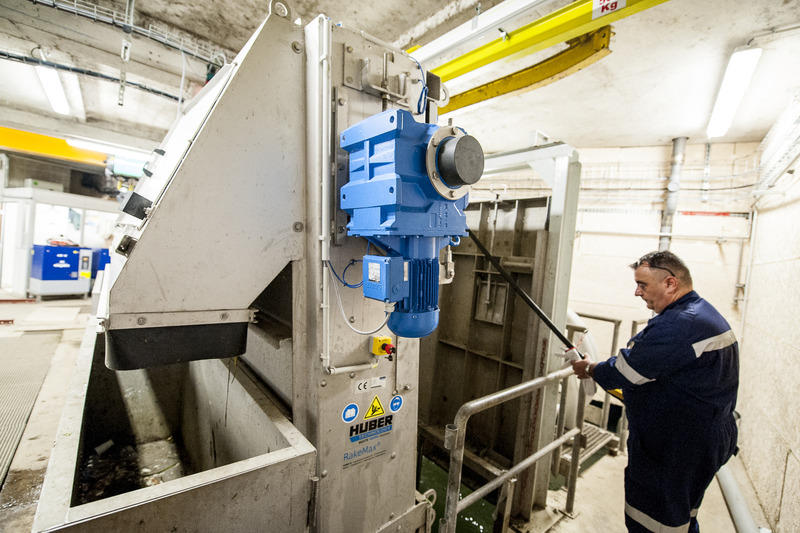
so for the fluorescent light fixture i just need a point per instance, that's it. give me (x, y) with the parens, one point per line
(53, 89)
(109, 148)
(734, 85)
(487, 23)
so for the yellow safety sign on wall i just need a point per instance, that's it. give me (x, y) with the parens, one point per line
(375, 409)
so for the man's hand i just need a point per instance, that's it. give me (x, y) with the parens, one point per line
(583, 367)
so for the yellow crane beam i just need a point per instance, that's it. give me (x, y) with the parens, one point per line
(581, 53)
(45, 146)
(567, 23)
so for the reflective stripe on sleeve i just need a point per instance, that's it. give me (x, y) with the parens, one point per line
(629, 373)
(653, 525)
(718, 342)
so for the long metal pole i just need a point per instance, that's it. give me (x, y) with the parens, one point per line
(522, 294)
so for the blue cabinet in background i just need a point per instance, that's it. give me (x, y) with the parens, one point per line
(60, 270)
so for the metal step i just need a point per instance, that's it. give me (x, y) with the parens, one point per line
(595, 439)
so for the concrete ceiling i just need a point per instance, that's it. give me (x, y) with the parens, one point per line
(660, 81)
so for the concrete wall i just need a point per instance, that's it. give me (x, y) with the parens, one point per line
(769, 394)
(619, 220)
(602, 283)
(74, 178)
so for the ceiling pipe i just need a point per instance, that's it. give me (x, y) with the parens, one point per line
(673, 188)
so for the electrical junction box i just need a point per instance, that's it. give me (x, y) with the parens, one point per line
(385, 278)
(60, 270)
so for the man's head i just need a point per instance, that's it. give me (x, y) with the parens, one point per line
(661, 278)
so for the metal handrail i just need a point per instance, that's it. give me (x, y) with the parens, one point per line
(622, 425)
(737, 504)
(455, 439)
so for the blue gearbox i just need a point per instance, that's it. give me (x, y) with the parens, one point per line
(406, 194)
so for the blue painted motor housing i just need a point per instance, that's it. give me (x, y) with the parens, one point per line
(393, 204)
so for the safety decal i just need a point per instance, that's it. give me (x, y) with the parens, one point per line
(396, 403)
(370, 437)
(606, 7)
(349, 413)
(375, 409)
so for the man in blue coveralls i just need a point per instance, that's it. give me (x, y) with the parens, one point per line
(679, 377)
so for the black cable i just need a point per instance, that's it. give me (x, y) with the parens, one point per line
(83, 72)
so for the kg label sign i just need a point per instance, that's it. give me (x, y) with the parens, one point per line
(601, 8)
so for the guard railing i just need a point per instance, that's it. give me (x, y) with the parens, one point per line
(455, 438)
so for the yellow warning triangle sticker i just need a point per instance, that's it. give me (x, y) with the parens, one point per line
(375, 409)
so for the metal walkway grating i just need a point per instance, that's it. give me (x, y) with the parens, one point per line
(24, 362)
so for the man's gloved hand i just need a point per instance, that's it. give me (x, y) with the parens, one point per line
(583, 369)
